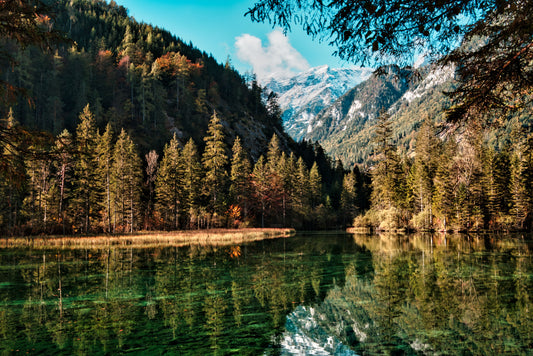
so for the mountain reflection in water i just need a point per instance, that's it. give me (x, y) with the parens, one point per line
(309, 294)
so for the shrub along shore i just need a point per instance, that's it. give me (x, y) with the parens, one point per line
(211, 237)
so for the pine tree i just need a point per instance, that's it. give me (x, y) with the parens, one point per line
(126, 178)
(496, 184)
(192, 179)
(301, 202)
(168, 187)
(84, 203)
(315, 186)
(151, 175)
(12, 172)
(240, 177)
(63, 162)
(104, 154)
(133, 183)
(215, 160)
(39, 183)
(445, 187)
(261, 186)
(286, 169)
(468, 173)
(274, 153)
(348, 197)
(422, 173)
(387, 174)
(520, 180)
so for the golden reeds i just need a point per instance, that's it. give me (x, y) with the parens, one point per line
(211, 237)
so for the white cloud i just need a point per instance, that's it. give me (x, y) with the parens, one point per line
(277, 58)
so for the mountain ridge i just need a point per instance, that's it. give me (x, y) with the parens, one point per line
(304, 95)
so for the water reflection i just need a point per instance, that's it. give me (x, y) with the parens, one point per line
(326, 294)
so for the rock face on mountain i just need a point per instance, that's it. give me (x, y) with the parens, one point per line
(303, 96)
(345, 129)
(346, 126)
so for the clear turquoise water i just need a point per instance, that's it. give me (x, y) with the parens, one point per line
(309, 294)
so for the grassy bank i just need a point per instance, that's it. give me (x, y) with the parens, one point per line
(218, 237)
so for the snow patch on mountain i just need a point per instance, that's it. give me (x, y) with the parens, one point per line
(303, 96)
(436, 77)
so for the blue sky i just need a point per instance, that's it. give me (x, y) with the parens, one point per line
(220, 28)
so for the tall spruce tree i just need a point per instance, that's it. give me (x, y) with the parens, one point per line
(192, 180)
(520, 184)
(422, 173)
(85, 199)
(63, 163)
(445, 187)
(286, 169)
(104, 154)
(300, 198)
(496, 183)
(240, 177)
(215, 160)
(151, 175)
(261, 187)
(315, 186)
(386, 174)
(168, 188)
(126, 176)
(348, 198)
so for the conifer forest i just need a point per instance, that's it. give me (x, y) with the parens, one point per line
(121, 126)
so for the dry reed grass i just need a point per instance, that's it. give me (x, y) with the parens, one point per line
(212, 237)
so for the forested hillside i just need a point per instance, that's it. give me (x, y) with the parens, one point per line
(127, 128)
(134, 76)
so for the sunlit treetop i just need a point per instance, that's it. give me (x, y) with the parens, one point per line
(494, 61)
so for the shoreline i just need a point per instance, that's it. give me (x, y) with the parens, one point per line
(210, 237)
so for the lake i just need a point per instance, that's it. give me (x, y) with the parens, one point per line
(313, 293)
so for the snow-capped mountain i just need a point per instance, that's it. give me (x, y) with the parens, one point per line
(303, 96)
(345, 128)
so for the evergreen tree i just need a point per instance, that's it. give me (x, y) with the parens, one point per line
(85, 198)
(168, 189)
(422, 173)
(240, 177)
(261, 187)
(520, 185)
(315, 186)
(387, 174)
(445, 187)
(274, 153)
(36, 204)
(215, 160)
(126, 177)
(348, 197)
(63, 163)
(104, 154)
(496, 184)
(192, 178)
(286, 169)
(467, 176)
(12, 172)
(300, 198)
(151, 175)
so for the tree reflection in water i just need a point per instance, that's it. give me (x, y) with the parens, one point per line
(316, 293)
